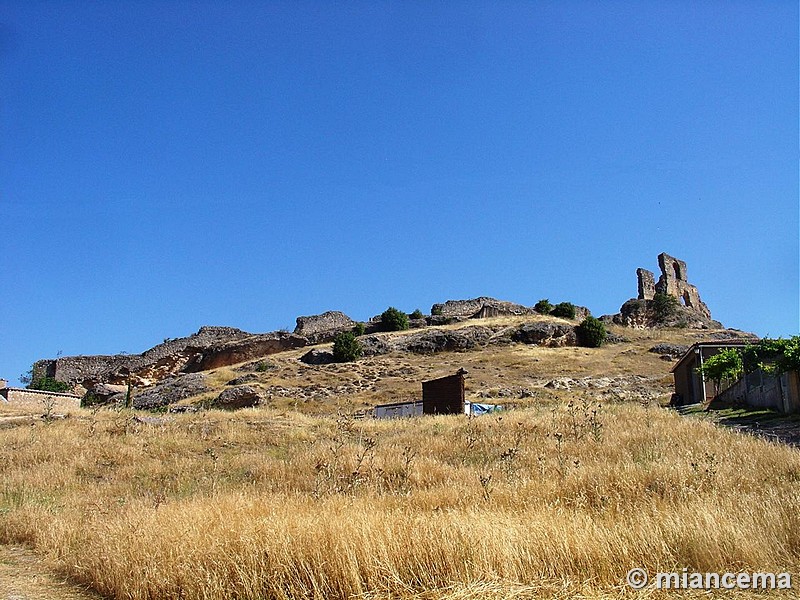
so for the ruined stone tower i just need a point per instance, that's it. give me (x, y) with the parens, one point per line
(673, 282)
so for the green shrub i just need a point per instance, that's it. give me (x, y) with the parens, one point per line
(394, 319)
(726, 364)
(49, 384)
(346, 348)
(264, 366)
(417, 314)
(591, 333)
(664, 307)
(359, 329)
(436, 310)
(564, 310)
(90, 399)
(543, 307)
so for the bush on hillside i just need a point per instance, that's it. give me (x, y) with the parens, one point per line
(591, 333)
(394, 319)
(346, 348)
(359, 329)
(664, 307)
(543, 307)
(48, 384)
(417, 314)
(564, 310)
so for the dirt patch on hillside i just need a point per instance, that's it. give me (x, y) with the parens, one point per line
(25, 576)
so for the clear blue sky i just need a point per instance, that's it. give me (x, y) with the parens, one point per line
(166, 165)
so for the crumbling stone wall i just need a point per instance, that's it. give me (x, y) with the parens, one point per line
(647, 284)
(479, 308)
(209, 348)
(324, 327)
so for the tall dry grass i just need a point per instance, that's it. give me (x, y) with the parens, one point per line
(550, 502)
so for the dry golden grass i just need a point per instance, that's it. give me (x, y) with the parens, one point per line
(558, 498)
(550, 502)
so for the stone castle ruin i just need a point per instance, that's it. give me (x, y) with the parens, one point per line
(673, 282)
(641, 312)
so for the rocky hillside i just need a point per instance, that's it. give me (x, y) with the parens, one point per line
(510, 360)
(231, 368)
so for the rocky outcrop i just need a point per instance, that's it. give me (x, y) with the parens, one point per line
(243, 396)
(209, 348)
(106, 393)
(169, 391)
(482, 307)
(318, 329)
(317, 357)
(440, 340)
(649, 309)
(643, 314)
(545, 333)
(669, 351)
(375, 345)
(432, 341)
(240, 350)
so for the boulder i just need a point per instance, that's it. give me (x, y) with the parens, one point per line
(169, 391)
(546, 333)
(437, 340)
(106, 393)
(670, 351)
(317, 357)
(247, 378)
(243, 396)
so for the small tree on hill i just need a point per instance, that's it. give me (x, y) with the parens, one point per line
(543, 307)
(564, 310)
(394, 319)
(346, 348)
(591, 332)
(664, 307)
(48, 384)
(417, 314)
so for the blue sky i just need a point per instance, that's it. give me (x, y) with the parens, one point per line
(167, 165)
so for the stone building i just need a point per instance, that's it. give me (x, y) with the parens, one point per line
(38, 400)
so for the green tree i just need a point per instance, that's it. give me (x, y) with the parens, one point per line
(543, 307)
(48, 384)
(346, 348)
(725, 365)
(591, 332)
(394, 319)
(773, 355)
(359, 329)
(664, 307)
(417, 314)
(564, 310)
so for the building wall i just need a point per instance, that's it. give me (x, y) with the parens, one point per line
(398, 411)
(38, 401)
(761, 390)
(444, 396)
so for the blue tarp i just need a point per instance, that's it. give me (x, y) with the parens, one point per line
(476, 409)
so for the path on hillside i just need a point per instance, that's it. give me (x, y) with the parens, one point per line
(25, 576)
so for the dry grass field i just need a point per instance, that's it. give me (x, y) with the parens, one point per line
(556, 498)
